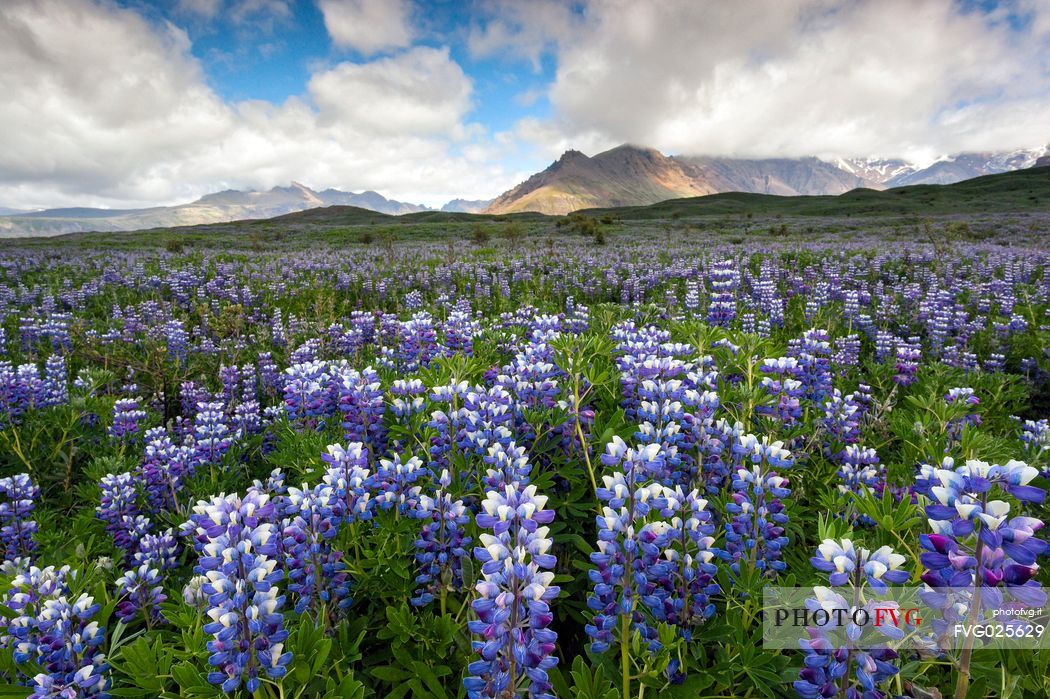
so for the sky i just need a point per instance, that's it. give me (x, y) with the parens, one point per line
(132, 103)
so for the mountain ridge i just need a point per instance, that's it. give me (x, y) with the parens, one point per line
(216, 207)
(630, 175)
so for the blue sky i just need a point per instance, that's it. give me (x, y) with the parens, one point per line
(127, 103)
(270, 56)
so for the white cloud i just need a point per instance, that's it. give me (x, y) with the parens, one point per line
(799, 77)
(523, 29)
(419, 91)
(102, 107)
(259, 13)
(368, 26)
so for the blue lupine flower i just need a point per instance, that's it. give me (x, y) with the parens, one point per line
(975, 543)
(394, 483)
(211, 435)
(67, 645)
(860, 472)
(238, 548)
(409, 398)
(126, 419)
(679, 585)
(164, 469)
(833, 652)
(514, 640)
(359, 396)
(755, 530)
(442, 545)
(55, 388)
(844, 562)
(628, 531)
(141, 593)
(308, 394)
(349, 477)
(118, 508)
(723, 279)
(316, 572)
(16, 527)
(158, 551)
(507, 465)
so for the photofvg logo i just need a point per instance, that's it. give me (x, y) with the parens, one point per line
(905, 617)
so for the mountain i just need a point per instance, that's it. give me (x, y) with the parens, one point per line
(781, 176)
(875, 169)
(635, 176)
(1012, 192)
(623, 176)
(466, 206)
(4, 211)
(1043, 161)
(229, 205)
(965, 166)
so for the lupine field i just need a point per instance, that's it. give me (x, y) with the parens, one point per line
(439, 469)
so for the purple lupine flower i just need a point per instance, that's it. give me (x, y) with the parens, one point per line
(843, 416)
(126, 419)
(755, 527)
(176, 340)
(442, 545)
(628, 528)
(409, 398)
(118, 508)
(975, 543)
(238, 547)
(316, 572)
(68, 644)
(350, 478)
(514, 639)
(16, 527)
(860, 472)
(308, 394)
(211, 435)
(359, 397)
(55, 387)
(159, 551)
(963, 400)
(812, 353)
(164, 468)
(834, 652)
(679, 585)
(779, 384)
(1035, 436)
(909, 354)
(141, 592)
(723, 280)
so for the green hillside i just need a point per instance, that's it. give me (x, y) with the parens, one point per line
(1022, 190)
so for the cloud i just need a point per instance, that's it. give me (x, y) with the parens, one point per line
(367, 26)
(523, 30)
(799, 77)
(418, 92)
(103, 107)
(259, 13)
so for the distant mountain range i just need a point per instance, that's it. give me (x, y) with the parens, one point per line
(466, 206)
(623, 176)
(229, 205)
(634, 176)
